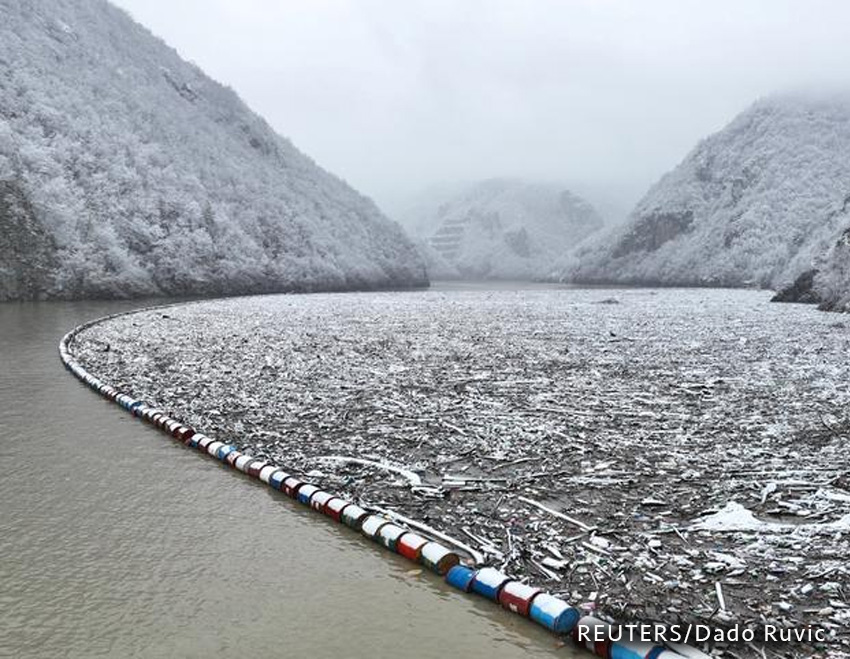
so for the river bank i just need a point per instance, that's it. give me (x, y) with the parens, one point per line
(693, 437)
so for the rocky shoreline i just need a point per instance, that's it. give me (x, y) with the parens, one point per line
(630, 456)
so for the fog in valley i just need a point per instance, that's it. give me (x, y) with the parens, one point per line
(602, 96)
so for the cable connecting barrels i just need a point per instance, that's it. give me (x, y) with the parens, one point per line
(543, 608)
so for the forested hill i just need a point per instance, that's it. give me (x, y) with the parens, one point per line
(755, 204)
(125, 171)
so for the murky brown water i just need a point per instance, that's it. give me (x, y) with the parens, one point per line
(116, 542)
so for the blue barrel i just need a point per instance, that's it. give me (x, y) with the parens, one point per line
(553, 613)
(194, 439)
(461, 577)
(224, 451)
(305, 492)
(488, 582)
(277, 478)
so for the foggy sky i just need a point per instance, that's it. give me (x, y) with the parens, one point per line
(607, 95)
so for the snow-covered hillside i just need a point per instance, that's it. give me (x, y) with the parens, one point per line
(499, 229)
(757, 203)
(125, 171)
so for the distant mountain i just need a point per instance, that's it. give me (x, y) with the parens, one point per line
(499, 229)
(758, 203)
(125, 171)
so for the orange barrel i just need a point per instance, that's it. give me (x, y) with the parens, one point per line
(488, 582)
(266, 472)
(437, 558)
(291, 486)
(319, 499)
(517, 597)
(243, 461)
(254, 468)
(372, 524)
(305, 492)
(277, 478)
(213, 447)
(204, 442)
(334, 508)
(410, 546)
(389, 536)
(460, 577)
(592, 634)
(353, 516)
(554, 613)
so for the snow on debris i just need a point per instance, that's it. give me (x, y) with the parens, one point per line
(573, 443)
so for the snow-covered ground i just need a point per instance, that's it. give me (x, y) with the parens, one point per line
(700, 434)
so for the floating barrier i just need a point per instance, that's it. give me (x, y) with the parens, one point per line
(437, 558)
(639, 650)
(389, 535)
(277, 478)
(461, 577)
(353, 516)
(488, 582)
(410, 546)
(242, 462)
(266, 472)
(553, 613)
(305, 492)
(517, 597)
(372, 524)
(335, 507)
(595, 628)
(291, 486)
(543, 608)
(320, 499)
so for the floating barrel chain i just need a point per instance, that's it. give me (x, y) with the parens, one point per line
(543, 608)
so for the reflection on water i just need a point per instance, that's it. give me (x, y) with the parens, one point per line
(116, 542)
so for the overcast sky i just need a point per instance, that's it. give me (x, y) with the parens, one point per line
(397, 95)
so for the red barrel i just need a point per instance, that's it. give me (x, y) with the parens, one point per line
(410, 546)
(202, 445)
(586, 633)
(516, 597)
(256, 467)
(232, 457)
(334, 508)
(291, 486)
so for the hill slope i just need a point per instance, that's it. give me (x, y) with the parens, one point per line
(754, 204)
(500, 229)
(125, 171)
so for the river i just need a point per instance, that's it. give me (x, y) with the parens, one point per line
(117, 543)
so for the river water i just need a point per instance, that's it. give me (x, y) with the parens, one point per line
(115, 542)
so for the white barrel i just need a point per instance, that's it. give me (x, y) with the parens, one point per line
(267, 471)
(372, 524)
(213, 447)
(243, 461)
